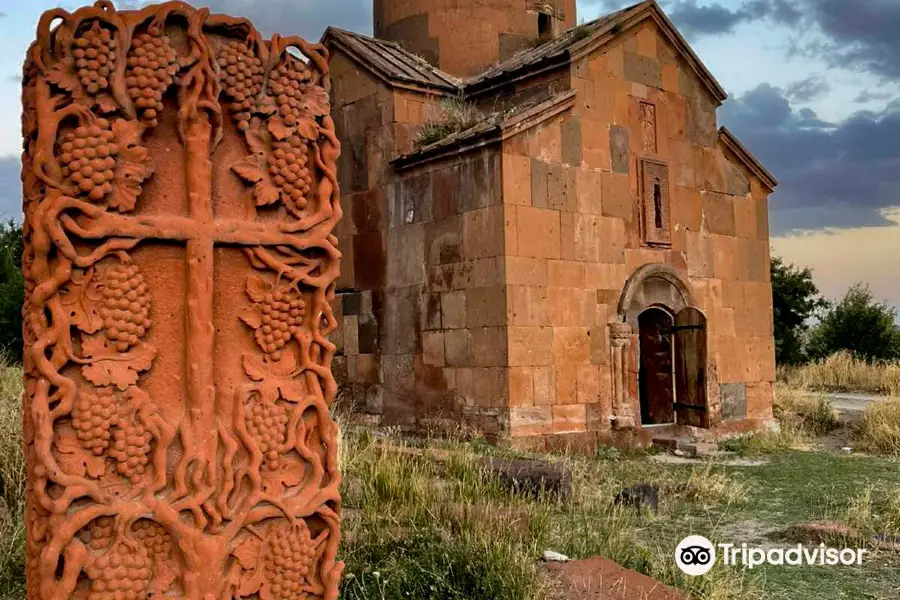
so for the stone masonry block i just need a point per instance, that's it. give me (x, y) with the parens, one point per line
(516, 180)
(457, 351)
(619, 148)
(540, 173)
(642, 69)
(616, 194)
(734, 401)
(521, 386)
(530, 346)
(571, 141)
(486, 306)
(570, 418)
(538, 232)
(453, 309)
(488, 346)
(530, 420)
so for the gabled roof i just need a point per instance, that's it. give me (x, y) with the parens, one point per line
(389, 61)
(495, 127)
(746, 157)
(586, 38)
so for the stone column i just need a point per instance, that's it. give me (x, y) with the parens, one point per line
(179, 197)
(622, 409)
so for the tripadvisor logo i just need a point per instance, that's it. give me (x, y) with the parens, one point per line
(696, 555)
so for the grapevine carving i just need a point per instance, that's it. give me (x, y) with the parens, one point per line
(229, 489)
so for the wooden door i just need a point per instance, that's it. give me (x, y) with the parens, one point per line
(689, 335)
(657, 389)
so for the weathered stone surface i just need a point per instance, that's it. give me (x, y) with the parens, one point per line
(179, 203)
(734, 401)
(537, 478)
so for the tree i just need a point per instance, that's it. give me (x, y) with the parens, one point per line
(795, 298)
(858, 324)
(12, 290)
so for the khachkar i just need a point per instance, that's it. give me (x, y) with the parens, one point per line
(180, 194)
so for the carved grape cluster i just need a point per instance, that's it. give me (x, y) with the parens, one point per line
(98, 534)
(122, 573)
(288, 165)
(95, 58)
(88, 158)
(282, 314)
(125, 305)
(150, 69)
(131, 449)
(267, 425)
(154, 538)
(289, 554)
(288, 83)
(242, 75)
(93, 416)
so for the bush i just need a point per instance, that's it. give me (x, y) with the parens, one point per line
(12, 290)
(859, 325)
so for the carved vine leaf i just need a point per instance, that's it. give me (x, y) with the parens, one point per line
(248, 554)
(289, 474)
(276, 376)
(132, 168)
(316, 102)
(75, 460)
(254, 169)
(77, 302)
(110, 368)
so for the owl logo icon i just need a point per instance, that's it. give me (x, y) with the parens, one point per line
(695, 555)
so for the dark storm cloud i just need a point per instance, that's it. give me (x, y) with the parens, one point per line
(858, 34)
(832, 175)
(807, 89)
(10, 188)
(290, 17)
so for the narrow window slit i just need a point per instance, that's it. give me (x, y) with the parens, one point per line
(657, 204)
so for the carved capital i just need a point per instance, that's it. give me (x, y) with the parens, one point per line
(619, 333)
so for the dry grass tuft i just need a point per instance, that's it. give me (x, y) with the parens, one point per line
(12, 483)
(804, 413)
(841, 372)
(878, 431)
(444, 119)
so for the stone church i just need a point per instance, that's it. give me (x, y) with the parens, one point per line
(587, 258)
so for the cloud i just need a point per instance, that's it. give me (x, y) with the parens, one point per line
(10, 188)
(858, 34)
(870, 96)
(832, 175)
(287, 17)
(807, 89)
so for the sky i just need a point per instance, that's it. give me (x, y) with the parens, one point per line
(814, 93)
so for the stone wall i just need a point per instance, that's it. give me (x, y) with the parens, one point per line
(573, 230)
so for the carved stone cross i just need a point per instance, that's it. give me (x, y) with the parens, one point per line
(177, 368)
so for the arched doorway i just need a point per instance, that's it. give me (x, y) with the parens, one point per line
(656, 380)
(672, 359)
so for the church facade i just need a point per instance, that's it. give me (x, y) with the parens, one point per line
(587, 256)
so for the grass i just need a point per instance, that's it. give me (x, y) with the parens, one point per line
(432, 523)
(425, 520)
(841, 372)
(448, 117)
(878, 431)
(12, 484)
(801, 418)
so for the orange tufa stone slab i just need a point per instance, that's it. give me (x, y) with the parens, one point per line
(180, 195)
